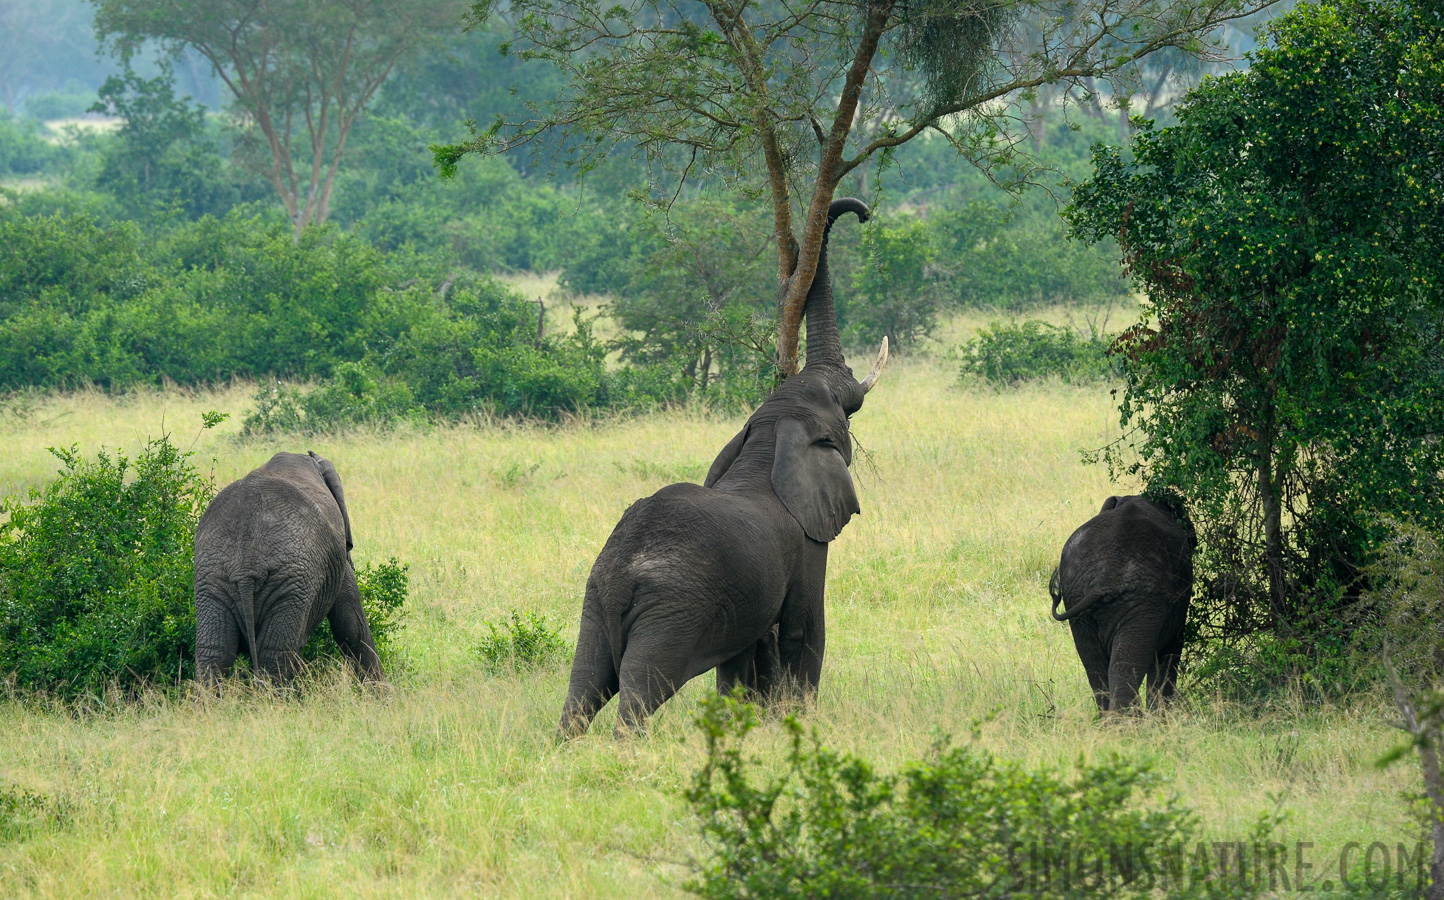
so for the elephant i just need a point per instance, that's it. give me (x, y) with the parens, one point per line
(272, 558)
(729, 574)
(1125, 579)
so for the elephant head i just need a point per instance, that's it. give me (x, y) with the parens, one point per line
(799, 438)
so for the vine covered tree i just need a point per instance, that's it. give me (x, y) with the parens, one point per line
(788, 99)
(301, 71)
(1287, 377)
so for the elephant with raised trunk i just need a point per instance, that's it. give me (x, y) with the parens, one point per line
(272, 559)
(729, 574)
(1125, 580)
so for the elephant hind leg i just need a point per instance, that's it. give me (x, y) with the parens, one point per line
(594, 676)
(651, 673)
(1094, 657)
(1126, 670)
(352, 632)
(279, 643)
(218, 640)
(758, 669)
(1163, 677)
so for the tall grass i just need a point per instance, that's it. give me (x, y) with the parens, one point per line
(937, 619)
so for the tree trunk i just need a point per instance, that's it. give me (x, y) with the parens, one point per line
(1268, 489)
(1038, 112)
(829, 173)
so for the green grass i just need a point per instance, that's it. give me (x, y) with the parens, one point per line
(450, 784)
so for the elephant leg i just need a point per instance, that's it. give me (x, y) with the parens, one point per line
(1163, 677)
(352, 632)
(757, 669)
(1094, 656)
(652, 671)
(594, 676)
(802, 627)
(279, 644)
(218, 640)
(1131, 660)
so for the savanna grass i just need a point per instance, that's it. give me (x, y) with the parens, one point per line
(451, 784)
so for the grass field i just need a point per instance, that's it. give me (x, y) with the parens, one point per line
(938, 617)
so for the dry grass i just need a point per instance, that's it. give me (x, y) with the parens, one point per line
(937, 612)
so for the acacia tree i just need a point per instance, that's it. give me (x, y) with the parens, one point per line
(1287, 378)
(813, 90)
(301, 71)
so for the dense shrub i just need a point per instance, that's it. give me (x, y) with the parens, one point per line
(897, 292)
(961, 823)
(1285, 378)
(22, 150)
(96, 573)
(97, 576)
(1007, 354)
(526, 641)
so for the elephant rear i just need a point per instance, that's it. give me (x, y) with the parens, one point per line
(667, 593)
(271, 561)
(1125, 578)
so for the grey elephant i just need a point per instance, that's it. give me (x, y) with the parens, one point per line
(729, 574)
(273, 558)
(1125, 580)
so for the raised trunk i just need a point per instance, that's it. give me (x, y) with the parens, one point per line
(824, 346)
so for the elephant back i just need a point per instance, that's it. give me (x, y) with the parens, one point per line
(1134, 547)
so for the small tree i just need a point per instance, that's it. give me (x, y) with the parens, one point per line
(805, 95)
(301, 71)
(898, 290)
(161, 155)
(1286, 377)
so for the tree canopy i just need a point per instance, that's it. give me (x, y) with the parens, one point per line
(1289, 234)
(301, 71)
(813, 91)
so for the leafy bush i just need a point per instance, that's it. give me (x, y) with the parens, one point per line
(525, 642)
(962, 823)
(96, 573)
(358, 395)
(1008, 354)
(897, 293)
(384, 588)
(22, 150)
(993, 256)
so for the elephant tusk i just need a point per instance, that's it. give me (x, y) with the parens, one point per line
(871, 380)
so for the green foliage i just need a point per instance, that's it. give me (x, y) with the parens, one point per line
(527, 641)
(23, 812)
(695, 293)
(162, 157)
(66, 102)
(1286, 378)
(897, 292)
(993, 256)
(960, 823)
(384, 588)
(22, 150)
(1009, 353)
(96, 574)
(357, 395)
(1400, 613)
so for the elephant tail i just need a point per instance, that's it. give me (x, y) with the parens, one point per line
(1088, 602)
(246, 611)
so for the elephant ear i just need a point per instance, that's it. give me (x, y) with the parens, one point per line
(333, 484)
(811, 479)
(727, 457)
